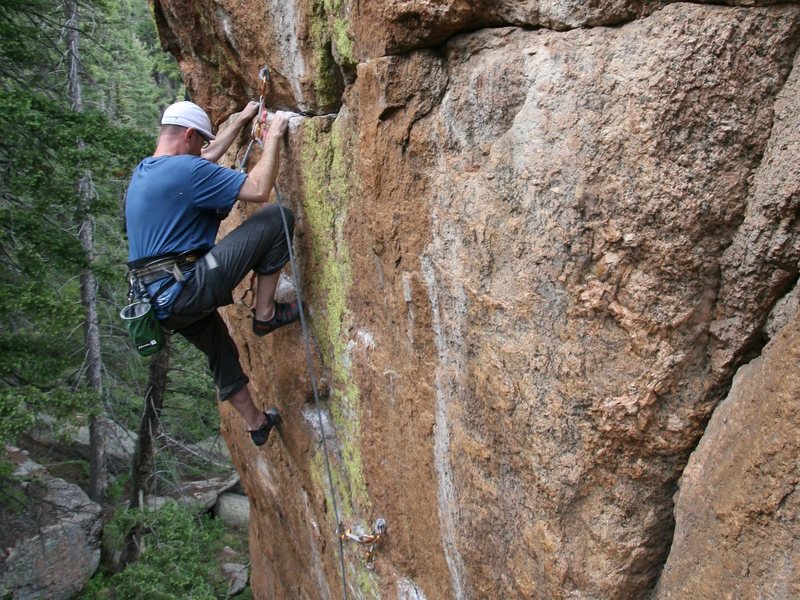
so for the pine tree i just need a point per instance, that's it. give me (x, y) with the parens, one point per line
(51, 132)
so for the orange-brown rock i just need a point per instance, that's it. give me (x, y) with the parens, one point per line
(533, 257)
(737, 533)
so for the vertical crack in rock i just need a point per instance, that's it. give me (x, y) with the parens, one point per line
(761, 261)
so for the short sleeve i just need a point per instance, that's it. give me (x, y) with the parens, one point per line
(215, 187)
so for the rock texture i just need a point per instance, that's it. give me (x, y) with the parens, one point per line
(534, 252)
(54, 555)
(739, 503)
(233, 510)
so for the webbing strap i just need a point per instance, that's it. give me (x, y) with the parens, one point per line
(312, 374)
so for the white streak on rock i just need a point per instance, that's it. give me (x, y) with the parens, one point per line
(450, 368)
(408, 590)
(291, 63)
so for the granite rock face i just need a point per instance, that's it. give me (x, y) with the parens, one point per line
(739, 502)
(534, 252)
(56, 553)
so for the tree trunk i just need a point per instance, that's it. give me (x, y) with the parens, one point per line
(98, 463)
(142, 467)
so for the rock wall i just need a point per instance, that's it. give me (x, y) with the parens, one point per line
(536, 240)
(738, 505)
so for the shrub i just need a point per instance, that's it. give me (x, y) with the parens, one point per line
(178, 557)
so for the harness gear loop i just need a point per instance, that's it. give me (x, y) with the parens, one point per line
(150, 269)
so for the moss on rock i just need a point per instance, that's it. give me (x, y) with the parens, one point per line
(327, 182)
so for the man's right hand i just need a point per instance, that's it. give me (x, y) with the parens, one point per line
(279, 123)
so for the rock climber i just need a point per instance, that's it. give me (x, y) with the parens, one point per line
(175, 202)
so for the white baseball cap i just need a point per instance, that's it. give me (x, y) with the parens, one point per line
(188, 114)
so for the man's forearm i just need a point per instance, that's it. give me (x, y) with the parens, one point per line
(265, 171)
(225, 138)
(259, 182)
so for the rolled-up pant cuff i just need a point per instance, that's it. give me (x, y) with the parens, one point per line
(230, 390)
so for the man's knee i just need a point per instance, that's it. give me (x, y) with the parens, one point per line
(275, 213)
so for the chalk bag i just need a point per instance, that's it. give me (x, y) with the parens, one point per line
(145, 331)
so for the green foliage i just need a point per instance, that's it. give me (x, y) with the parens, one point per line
(177, 561)
(40, 255)
(115, 492)
(191, 413)
(45, 148)
(129, 77)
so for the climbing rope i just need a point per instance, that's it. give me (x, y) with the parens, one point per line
(258, 132)
(314, 388)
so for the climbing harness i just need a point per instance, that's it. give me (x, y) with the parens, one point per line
(370, 541)
(148, 270)
(138, 316)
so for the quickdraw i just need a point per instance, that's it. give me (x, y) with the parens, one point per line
(260, 126)
(370, 540)
(258, 134)
(259, 131)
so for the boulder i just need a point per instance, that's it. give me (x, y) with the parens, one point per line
(233, 510)
(201, 493)
(237, 576)
(120, 442)
(56, 548)
(214, 449)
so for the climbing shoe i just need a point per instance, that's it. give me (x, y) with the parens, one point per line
(284, 314)
(260, 436)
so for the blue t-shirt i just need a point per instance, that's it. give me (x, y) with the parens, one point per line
(175, 204)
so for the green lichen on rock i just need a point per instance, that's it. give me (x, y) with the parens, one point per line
(342, 42)
(326, 181)
(364, 579)
(326, 83)
(332, 50)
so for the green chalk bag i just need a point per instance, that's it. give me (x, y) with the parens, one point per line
(145, 331)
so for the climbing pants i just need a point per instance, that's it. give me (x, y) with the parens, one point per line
(259, 245)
